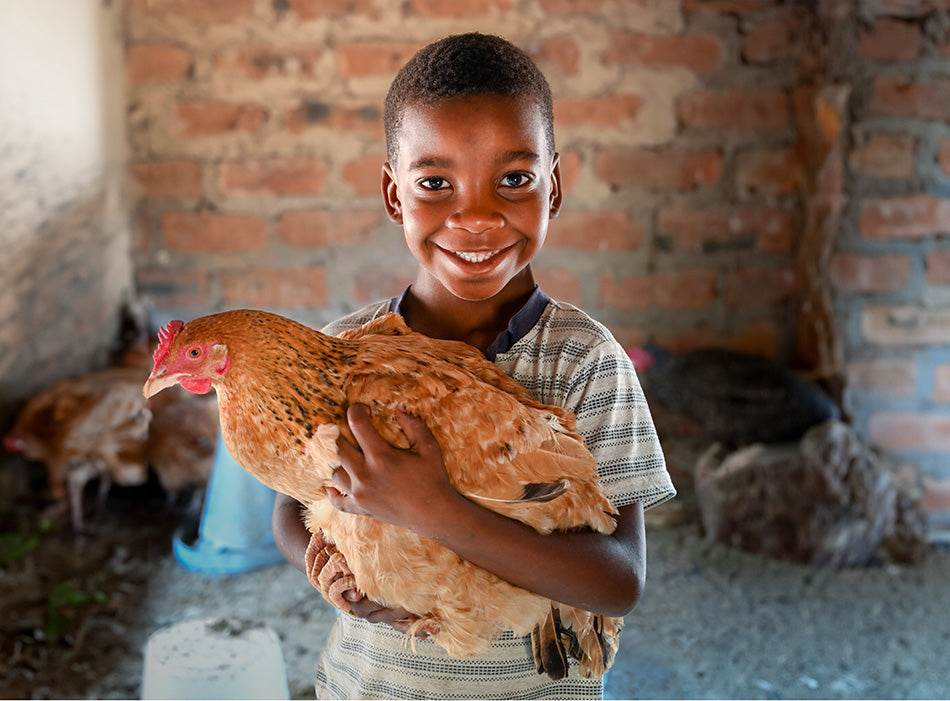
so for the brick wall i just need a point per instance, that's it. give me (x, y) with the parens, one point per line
(257, 143)
(756, 174)
(891, 270)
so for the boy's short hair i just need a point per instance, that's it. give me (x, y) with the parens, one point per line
(460, 66)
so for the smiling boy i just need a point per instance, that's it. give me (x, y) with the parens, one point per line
(473, 178)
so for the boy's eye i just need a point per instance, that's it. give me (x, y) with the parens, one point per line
(515, 180)
(433, 183)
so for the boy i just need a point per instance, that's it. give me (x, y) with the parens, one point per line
(472, 176)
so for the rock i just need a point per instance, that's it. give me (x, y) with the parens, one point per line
(826, 500)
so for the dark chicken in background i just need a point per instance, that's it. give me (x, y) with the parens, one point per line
(737, 397)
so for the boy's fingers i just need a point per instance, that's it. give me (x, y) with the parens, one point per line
(416, 430)
(358, 418)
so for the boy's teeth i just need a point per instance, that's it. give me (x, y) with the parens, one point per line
(475, 257)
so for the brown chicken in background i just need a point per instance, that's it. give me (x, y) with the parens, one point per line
(181, 441)
(91, 427)
(99, 427)
(283, 390)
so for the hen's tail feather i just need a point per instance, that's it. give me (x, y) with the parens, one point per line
(550, 657)
(534, 491)
(571, 633)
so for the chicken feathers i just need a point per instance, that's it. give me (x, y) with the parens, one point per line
(283, 390)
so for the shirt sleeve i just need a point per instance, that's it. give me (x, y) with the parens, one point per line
(615, 421)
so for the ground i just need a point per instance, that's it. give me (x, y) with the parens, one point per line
(714, 622)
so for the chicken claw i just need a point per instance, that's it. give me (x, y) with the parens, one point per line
(316, 557)
(328, 572)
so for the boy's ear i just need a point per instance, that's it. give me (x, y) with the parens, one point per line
(555, 187)
(391, 194)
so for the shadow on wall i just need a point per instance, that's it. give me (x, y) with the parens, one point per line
(63, 283)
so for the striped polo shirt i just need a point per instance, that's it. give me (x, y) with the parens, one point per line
(567, 359)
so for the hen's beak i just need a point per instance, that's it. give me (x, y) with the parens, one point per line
(159, 380)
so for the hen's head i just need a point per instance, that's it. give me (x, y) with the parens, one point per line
(185, 358)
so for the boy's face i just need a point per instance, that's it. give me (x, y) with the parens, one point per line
(474, 188)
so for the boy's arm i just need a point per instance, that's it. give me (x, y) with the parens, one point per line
(595, 572)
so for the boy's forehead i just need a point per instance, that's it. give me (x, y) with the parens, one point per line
(424, 125)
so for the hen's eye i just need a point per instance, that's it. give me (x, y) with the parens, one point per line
(194, 352)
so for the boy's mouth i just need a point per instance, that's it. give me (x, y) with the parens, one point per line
(476, 256)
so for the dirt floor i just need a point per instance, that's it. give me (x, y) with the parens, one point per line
(714, 622)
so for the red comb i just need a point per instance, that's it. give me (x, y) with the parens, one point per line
(165, 337)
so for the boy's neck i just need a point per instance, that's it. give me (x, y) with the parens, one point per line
(432, 310)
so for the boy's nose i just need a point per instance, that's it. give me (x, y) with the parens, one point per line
(476, 214)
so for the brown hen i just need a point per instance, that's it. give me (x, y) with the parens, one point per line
(283, 390)
(93, 426)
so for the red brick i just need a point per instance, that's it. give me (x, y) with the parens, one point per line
(938, 267)
(163, 287)
(710, 231)
(941, 392)
(659, 169)
(700, 53)
(152, 63)
(456, 9)
(211, 232)
(561, 284)
(758, 339)
(293, 176)
(681, 290)
(372, 282)
(200, 119)
(364, 176)
(571, 163)
(856, 272)
(259, 62)
(298, 287)
(179, 179)
(885, 156)
(769, 41)
(597, 231)
(206, 12)
(769, 172)
(936, 494)
(605, 111)
(904, 217)
(358, 60)
(895, 431)
(943, 156)
(335, 117)
(890, 40)
(562, 52)
(313, 9)
(894, 377)
(906, 326)
(583, 7)
(734, 109)
(755, 287)
(319, 229)
(926, 99)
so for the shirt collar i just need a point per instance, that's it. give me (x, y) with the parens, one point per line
(518, 327)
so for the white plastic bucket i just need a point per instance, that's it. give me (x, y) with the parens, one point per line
(214, 658)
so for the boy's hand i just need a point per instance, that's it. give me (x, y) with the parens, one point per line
(404, 487)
